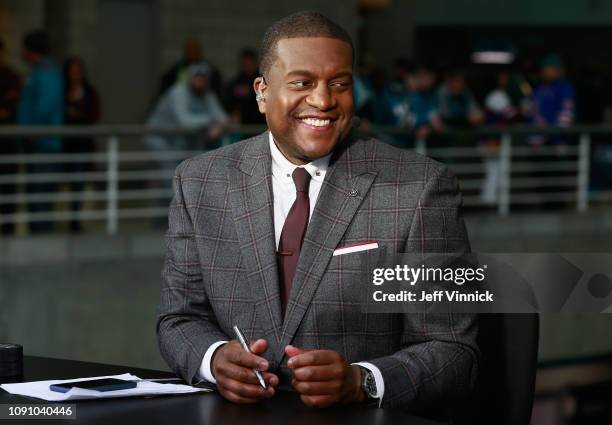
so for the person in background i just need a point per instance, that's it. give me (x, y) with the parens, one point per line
(187, 105)
(520, 92)
(500, 110)
(554, 100)
(362, 86)
(423, 101)
(41, 103)
(241, 103)
(387, 107)
(456, 104)
(81, 107)
(10, 85)
(403, 77)
(192, 53)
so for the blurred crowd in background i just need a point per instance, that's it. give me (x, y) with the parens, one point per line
(423, 98)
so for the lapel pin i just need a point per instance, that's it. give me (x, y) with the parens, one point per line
(353, 192)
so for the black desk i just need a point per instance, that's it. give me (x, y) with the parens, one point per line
(201, 409)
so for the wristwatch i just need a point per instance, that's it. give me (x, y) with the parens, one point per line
(369, 384)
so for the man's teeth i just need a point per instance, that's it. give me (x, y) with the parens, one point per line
(315, 122)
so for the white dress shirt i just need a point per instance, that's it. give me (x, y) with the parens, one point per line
(284, 196)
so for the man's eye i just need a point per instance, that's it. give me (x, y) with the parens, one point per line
(341, 84)
(299, 84)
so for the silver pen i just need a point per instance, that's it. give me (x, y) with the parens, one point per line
(245, 345)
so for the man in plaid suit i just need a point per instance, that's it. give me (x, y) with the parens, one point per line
(228, 224)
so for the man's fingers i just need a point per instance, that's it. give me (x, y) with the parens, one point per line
(246, 390)
(314, 358)
(239, 373)
(270, 379)
(318, 373)
(240, 357)
(294, 351)
(246, 375)
(259, 347)
(317, 388)
(235, 398)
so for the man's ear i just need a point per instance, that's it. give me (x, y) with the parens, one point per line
(260, 87)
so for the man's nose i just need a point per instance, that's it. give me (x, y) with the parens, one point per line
(321, 98)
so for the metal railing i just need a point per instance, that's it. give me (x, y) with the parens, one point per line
(128, 181)
(556, 172)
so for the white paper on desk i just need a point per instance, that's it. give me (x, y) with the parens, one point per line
(40, 389)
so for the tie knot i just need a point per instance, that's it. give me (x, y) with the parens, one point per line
(301, 179)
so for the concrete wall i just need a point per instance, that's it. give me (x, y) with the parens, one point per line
(84, 298)
(70, 23)
(389, 33)
(227, 26)
(16, 18)
(100, 310)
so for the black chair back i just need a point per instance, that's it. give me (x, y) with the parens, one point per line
(506, 382)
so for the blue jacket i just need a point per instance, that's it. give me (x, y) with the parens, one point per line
(553, 100)
(42, 103)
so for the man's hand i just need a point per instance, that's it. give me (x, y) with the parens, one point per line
(323, 377)
(233, 367)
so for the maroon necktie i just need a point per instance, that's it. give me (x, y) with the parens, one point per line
(293, 232)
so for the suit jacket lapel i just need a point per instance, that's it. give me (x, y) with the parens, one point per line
(344, 188)
(250, 186)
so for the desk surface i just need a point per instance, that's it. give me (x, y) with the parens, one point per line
(201, 409)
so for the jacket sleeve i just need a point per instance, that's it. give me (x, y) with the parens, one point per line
(186, 324)
(438, 361)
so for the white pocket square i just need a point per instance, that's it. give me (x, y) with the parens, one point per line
(358, 247)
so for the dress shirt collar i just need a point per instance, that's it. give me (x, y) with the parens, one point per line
(282, 168)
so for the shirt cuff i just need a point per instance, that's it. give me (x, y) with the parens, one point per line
(378, 378)
(206, 367)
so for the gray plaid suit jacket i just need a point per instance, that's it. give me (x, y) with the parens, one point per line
(220, 267)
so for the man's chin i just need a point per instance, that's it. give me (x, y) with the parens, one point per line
(318, 152)
(318, 147)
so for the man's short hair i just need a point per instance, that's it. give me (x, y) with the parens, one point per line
(300, 24)
(37, 42)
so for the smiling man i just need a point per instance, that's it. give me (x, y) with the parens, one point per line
(310, 102)
(256, 237)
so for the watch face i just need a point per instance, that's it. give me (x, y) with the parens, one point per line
(369, 384)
